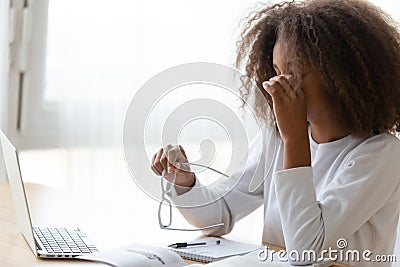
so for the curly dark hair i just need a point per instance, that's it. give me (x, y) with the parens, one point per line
(352, 45)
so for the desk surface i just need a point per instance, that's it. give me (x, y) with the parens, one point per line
(109, 224)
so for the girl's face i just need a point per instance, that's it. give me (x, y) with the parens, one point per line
(316, 97)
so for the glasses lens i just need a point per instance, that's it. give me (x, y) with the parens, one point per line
(165, 214)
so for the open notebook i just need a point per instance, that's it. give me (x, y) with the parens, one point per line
(210, 253)
(142, 255)
(226, 254)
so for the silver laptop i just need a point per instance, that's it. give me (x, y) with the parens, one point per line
(45, 242)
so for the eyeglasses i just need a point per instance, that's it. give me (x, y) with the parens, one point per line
(165, 201)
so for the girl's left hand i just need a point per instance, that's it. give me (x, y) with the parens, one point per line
(290, 108)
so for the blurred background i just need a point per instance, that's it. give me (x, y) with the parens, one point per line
(73, 76)
(69, 68)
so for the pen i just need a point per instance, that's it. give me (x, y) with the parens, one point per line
(185, 244)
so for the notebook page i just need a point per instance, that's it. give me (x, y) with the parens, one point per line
(226, 248)
(240, 261)
(136, 255)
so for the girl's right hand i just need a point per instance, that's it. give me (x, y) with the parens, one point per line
(168, 159)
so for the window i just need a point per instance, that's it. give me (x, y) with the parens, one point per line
(87, 58)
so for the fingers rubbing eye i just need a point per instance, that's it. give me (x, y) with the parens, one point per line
(285, 83)
(266, 84)
(277, 79)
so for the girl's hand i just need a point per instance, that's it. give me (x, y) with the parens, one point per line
(167, 159)
(289, 107)
(291, 116)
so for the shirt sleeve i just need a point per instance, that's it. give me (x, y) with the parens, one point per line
(227, 200)
(367, 180)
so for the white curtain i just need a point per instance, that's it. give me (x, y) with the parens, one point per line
(4, 62)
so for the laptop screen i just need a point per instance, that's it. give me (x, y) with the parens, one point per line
(17, 190)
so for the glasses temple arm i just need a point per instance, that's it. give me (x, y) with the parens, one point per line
(204, 166)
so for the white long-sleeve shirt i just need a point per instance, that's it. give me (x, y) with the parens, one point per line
(351, 191)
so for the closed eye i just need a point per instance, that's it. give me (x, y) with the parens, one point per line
(276, 69)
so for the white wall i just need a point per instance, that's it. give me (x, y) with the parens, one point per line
(4, 66)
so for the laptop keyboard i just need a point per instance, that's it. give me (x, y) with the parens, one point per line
(64, 240)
